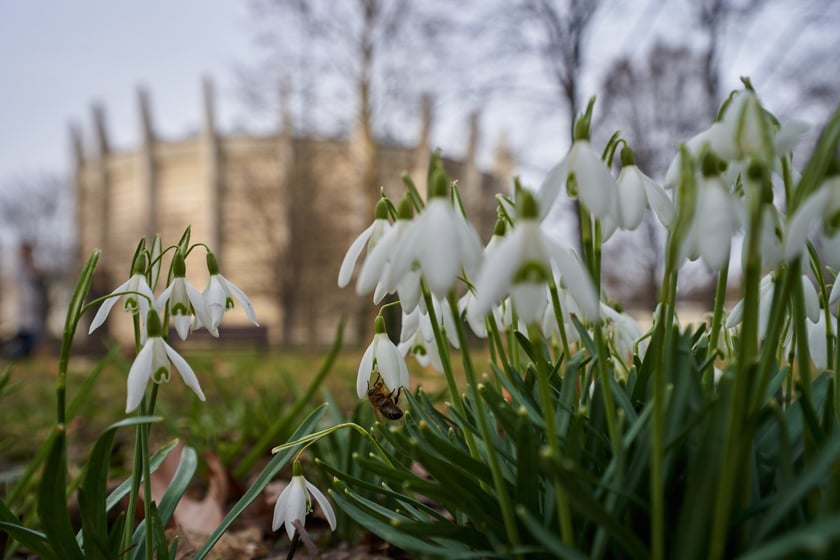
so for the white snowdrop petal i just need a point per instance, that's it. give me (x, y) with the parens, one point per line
(551, 186)
(138, 377)
(834, 296)
(373, 268)
(576, 278)
(326, 507)
(388, 360)
(714, 221)
(817, 343)
(632, 200)
(365, 369)
(105, 308)
(296, 507)
(184, 369)
(496, 274)
(530, 300)
(596, 186)
(660, 203)
(349, 261)
(799, 225)
(280, 508)
(831, 251)
(242, 298)
(812, 300)
(439, 259)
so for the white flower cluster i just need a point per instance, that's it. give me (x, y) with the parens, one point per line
(509, 278)
(189, 309)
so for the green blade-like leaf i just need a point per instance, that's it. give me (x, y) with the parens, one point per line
(92, 493)
(123, 489)
(271, 469)
(52, 501)
(177, 486)
(33, 540)
(809, 541)
(36, 541)
(817, 471)
(547, 538)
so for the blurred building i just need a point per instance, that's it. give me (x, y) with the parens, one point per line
(279, 211)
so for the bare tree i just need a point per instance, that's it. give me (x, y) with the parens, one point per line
(38, 209)
(654, 102)
(353, 68)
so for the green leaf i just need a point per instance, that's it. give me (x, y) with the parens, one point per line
(158, 528)
(33, 540)
(123, 489)
(36, 541)
(548, 539)
(271, 469)
(180, 480)
(814, 475)
(811, 540)
(52, 501)
(92, 493)
(382, 527)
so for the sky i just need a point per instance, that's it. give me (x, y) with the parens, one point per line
(58, 58)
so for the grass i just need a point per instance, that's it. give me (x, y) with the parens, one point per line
(246, 390)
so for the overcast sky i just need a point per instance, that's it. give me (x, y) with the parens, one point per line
(58, 57)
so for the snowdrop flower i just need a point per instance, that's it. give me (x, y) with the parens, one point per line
(378, 262)
(834, 296)
(713, 224)
(744, 131)
(218, 298)
(568, 307)
(593, 183)
(184, 300)
(154, 362)
(295, 502)
(439, 243)
(423, 349)
(625, 333)
(133, 302)
(766, 289)
(637, 191)
(765, 300)
(383, 356)
(368, 238)
(816, 341)
(820, 208)
(521, 266)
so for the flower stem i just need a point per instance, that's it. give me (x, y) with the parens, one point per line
(558, 315)
(147, 476)
(731, 485)
(717, 323)
(499, 483)
(443, 350)
(564, 513)
(665, 325)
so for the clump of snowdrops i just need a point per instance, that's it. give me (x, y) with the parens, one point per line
(583, 435)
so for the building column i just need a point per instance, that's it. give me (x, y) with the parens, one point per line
(211, 157)
(147, 171)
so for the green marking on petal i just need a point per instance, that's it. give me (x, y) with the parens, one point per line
(531, 272)
(161, 375)
(180, 309)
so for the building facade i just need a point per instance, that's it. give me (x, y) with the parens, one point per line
(278, 210)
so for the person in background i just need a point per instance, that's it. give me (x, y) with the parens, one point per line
(31, 305)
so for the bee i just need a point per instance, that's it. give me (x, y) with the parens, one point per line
(383, 401)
